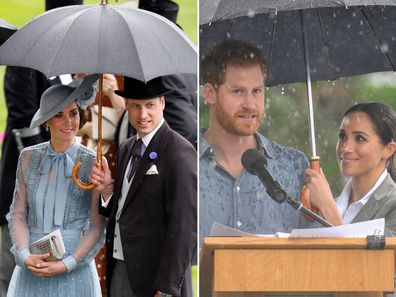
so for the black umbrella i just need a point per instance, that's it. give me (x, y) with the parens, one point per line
(6, 30)
(306, 40)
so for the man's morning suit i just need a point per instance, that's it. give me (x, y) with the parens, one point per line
(158, 220)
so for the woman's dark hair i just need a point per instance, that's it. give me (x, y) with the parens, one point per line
(383, 118)
(83, 117)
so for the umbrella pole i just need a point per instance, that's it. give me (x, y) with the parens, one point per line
(314, 159)
(77, 165)
(99, 150)
(309, 90)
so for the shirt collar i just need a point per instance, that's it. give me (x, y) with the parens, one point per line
(263, 144)
(146, 139)
(343, 200)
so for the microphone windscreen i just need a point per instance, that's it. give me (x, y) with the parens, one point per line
(250, 158)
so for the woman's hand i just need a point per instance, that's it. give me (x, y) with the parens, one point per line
(319, 188)
(321, 196)
(35, 260)
(47, 269)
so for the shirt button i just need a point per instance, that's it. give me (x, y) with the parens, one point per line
(238, 189)
(115, 235)
(117, 221)
(115, 250)
(239, 224)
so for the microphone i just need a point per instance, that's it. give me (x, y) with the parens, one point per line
(255, 163)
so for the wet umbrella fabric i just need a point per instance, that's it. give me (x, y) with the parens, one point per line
(340, 41)
(6, 30)
(101, 39)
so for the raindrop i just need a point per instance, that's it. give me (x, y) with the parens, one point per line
(293, 90)
(384, 48)
(228, 35)
(283, 91)
(360, 33)
(349, 26)
(361, 23)
(251, 13)
(354, 14)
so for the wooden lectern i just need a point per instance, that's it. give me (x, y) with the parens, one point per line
(258, 266)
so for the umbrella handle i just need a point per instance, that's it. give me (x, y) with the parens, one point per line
(77, 181)
(305, 194)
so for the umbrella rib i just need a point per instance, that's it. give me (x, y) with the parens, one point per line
(81, 12)
(126, 23)
(272, 45)
(377, 37)
(325, 43)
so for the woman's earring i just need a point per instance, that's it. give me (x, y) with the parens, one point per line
(46, 128)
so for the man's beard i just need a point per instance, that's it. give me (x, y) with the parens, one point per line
(233, 124)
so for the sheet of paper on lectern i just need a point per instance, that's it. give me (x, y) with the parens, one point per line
(361, 229)
(223, 230)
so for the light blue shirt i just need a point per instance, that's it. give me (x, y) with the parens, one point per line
(243, 202)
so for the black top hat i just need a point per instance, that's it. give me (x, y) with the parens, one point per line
(136, 89)
(51, 4)
(166, 8)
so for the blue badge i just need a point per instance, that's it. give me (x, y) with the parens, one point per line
(153, 155)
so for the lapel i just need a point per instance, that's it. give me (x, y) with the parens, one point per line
(376, 201)
(156, 145)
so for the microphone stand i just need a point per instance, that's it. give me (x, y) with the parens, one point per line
(299, 206)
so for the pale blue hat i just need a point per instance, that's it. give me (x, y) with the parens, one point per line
(57, 97)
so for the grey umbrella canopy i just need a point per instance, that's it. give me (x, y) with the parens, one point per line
(6, 30)
(101, 39)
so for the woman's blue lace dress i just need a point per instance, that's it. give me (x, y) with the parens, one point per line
(46, 199)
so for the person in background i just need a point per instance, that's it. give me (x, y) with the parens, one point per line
(46, 199)
(23, 88)
(151, 232)
(233, 77)
(366, 153)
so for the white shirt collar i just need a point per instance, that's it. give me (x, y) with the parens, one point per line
(146, 139)
(343, 201)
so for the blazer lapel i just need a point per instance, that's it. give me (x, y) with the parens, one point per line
(156, 145)
(376, 201)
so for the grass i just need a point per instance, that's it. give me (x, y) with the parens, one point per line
(19, 13)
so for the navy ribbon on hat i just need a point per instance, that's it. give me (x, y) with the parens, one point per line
(55, 171)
